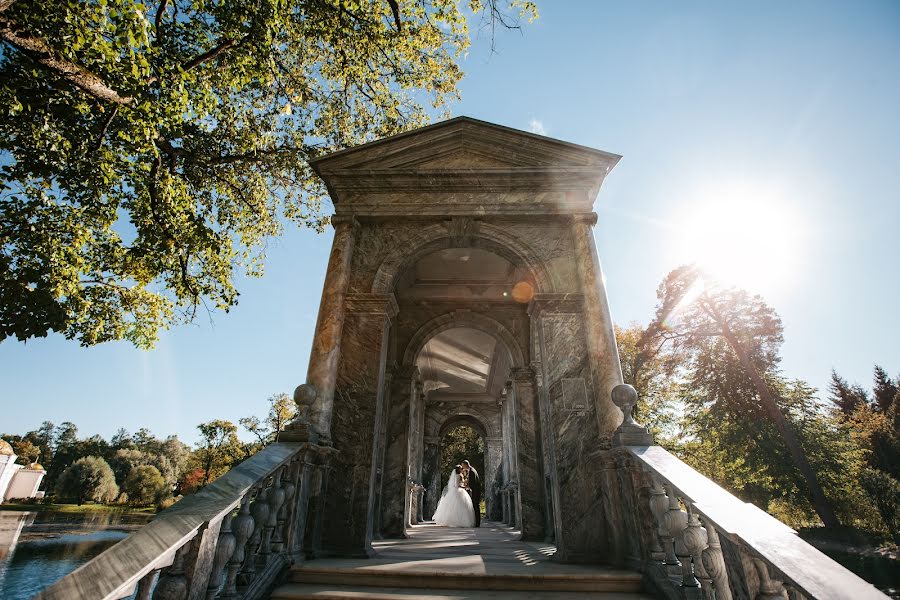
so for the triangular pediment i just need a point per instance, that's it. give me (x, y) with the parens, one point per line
(464, 166)
(464, 143)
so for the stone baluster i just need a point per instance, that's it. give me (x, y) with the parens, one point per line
(224, 550)
(288, 511)
(173, 583)
(241, 530)
(693, 540)
(288, 488)
(769, 589)
(276, 499)
(659, 504)
(145, 585)
(714, 565)
(676, 520)
(259, 510)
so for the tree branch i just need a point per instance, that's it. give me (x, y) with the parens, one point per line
(40, 52)
(99, 142)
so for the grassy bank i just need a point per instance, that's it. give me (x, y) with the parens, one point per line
(75, 509)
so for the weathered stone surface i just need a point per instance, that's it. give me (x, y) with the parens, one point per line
(358, 397)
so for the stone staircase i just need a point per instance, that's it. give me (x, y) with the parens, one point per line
(438, 563)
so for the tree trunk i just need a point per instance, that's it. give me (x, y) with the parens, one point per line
(821, 504)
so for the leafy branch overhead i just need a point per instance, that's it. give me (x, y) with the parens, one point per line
(149, 150)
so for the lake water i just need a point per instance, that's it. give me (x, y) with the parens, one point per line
(38, 548)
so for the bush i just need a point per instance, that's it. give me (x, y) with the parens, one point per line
(145, 485)
(885, 493)
(166, 503)
(88, 479)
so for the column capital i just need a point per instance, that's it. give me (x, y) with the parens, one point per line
(555, 303)
(585, 218)
(521, 374)
(372, 304)
(344, 221)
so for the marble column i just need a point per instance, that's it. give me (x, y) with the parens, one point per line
(529, 502)
(396, 455)
(601, 338)
(430, 475)
(358, 409)
(492, 457)
(326, 345)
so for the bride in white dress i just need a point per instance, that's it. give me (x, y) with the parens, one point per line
(454, 509)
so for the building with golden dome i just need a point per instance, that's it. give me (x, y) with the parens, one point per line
(17, 481)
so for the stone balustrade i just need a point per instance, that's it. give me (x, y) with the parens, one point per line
(694, 540)
(232, 539)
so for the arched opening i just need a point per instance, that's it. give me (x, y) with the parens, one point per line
(458, 443)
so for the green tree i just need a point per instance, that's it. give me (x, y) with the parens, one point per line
(27, 452)
(653, 368)
(732, 340)
(149, 149)
(282, 410)
(459, 444)
(88, 479)
(219, 449)
(145, 485)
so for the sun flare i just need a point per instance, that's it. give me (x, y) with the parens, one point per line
(743, 237)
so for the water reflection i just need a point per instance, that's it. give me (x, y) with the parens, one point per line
(37, 549)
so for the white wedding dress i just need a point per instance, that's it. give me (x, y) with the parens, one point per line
(454, 509)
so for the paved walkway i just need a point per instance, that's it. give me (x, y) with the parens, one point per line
(456, 563)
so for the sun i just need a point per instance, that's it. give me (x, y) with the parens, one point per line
(743, 236)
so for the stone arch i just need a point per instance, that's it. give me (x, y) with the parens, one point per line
(484, 236)
(463, 318)
(468, 419)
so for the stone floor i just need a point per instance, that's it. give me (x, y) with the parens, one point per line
(442, 563)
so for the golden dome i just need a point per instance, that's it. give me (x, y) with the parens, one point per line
(5, 448)
(36, 467)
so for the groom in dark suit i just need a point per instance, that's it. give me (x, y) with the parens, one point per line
(473, 486)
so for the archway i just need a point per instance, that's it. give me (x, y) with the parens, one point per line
(462, 439)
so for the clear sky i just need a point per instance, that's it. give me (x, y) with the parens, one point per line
(782, 118)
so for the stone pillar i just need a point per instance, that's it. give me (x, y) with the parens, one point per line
(420, 494)
(601, 339)
(326, 346)
(492, 456)
(431, 475)
(529, 501)
(359, 395)
(396, 454)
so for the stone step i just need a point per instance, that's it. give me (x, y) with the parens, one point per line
(594, 580)
(306, 591)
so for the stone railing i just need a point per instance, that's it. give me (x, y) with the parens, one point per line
(692, 539)
(232, 539)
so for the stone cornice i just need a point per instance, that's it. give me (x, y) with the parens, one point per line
(372, 304)
(587, 218)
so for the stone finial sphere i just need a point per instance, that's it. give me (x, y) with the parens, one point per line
(305, 394)
(625, 397)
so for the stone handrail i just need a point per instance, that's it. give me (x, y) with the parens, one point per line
(232, 539)
(693, 539)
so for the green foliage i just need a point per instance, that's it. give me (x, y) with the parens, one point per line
(26, 451)
(282, 410)
(149, 150)
(459, 444)
(88, 479)
(885, 492)
(653, 370)
(219, 450)
(145, 485)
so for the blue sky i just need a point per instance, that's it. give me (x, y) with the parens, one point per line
(791, 108)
